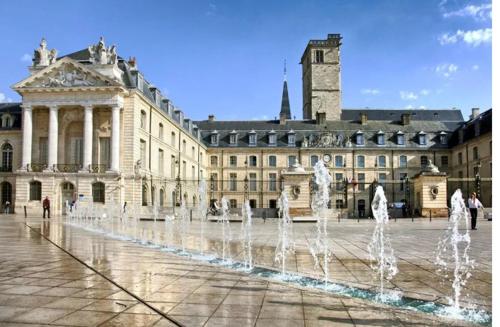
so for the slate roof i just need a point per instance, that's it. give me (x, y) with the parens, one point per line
(447, 115)
(472, 128)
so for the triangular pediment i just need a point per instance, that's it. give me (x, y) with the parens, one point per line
(65, 73)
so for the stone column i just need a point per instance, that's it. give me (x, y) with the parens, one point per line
(87, 138)
(27, 135)
(115, 139)
(53, 137)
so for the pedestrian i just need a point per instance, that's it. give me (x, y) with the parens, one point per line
(264, 216)
(46, 207)
(7, 207)
(125, 207)
(474, 204)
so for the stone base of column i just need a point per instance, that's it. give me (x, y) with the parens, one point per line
(112, 171)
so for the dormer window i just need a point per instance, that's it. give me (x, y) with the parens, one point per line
(214, 138)
(272, 138)
(443, 138)
(233, 138)
(291, 138)
(7, 121)
(252, 138)
(400, 138)
(380, 138)
(360, 138)
(422, 138)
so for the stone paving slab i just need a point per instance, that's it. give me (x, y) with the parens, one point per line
(193, 293)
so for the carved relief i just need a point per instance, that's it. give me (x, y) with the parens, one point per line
(67, 76)
(326, 140)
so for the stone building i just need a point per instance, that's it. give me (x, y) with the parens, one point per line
(91, 127)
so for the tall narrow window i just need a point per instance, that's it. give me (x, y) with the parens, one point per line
(291, 138)
(381, 161)
(360, 138)
(172, 139)
(403, 162)
(339, 161)
(233, 204)
(233, 138)
(400, 138)
(252, 161)
(213, 161)
(76, 155)
(160, 131)
(272, 138)
(291, 160)
(422, 138)
(184, 169)
(143, 153)
(161, 159)
(233, 161)
(252, 138)
(380, 138)
(460, 158)
(143, 119)
(193, 152)
(104, 152)
(193, 173)
(162, 197)
(339, 178)
(361, 162)
(35, 191)
(253, 182)
(272, 161)
(7, 157)
(402, 178)
(475, 153)
(44, 150)
(214, 182)
(314, 160)
(423, 161)
(172, 167)
(184, 149)
(444, 161)
(382, 177)
(98, 192)
(319, 56)
(272, 182)
(232, 182)
(361, 181)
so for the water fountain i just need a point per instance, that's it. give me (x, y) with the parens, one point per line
(453, 250)
(285, 245)
(226, 230)
(246, 231)
(321, 245)
(380, 249)
(202, 210)
(184, 224)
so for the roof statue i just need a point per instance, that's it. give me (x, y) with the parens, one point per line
(99, 54)
(431, 168)
(43, 56)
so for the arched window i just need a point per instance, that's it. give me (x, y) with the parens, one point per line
(6, 157)
(152, 196)
(35, 191)
(6, 189)
(7, 120)
(143, 119)
(144, 195)
(160, 131)
(98, 192)
(162, 197)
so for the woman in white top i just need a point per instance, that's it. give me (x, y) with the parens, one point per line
(474, 204)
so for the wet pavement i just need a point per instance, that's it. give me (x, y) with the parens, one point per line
(56, 274)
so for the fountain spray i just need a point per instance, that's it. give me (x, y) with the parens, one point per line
(383, 261)
(321, 245)
(202, 210)
(226, 230)
(246, 230)
(453, 249)
(285, 244)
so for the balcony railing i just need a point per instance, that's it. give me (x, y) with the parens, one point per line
(95, 168)
(37, 167)
(68, 168)
(6, 169)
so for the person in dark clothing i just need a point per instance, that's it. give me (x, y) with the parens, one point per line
(46, 207)
(474, 204)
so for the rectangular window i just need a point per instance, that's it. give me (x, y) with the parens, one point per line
(272, 139)
(272, 182)
(318, 56)
(381, 161)
(44, 150)
(272, 204)
(444, 161)
(460, 159)
(253, 182)
(160, 162)
(232, 182)
(213, 161)
(476, 170)
(400, 138)
(184, 149)
(423, 161)
(143, 153)
(77, 150)
(291, 160)
(172, 139)
(252, 161)
(339, 181)
(361, 181)
(475, 153)
(291, 139)
(232, 161)
(314, 160)
(382, 178)
(360, 140)
(184, 170)
(193, 173)
(252, 139)
(402, 178)
(361, 162)
(104, 152)
(214, 182)
(233, 138)
(172, 166)
(272, 161)
(233, 204)
(380, 139)
(193, 152)
(422, 139)
(214, 139)
(339, 161)
(160, 131)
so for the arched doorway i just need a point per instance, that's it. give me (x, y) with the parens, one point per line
(6, 188)
(6, 157)
(162, 197)
(67, 191)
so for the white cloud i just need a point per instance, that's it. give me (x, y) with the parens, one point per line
(26, 57)
(424, 92)
(409, 106)
(408, 96)
(446, 70)
(422, 107)
(481, 12)
(473, 38)
(475, 67)
(212, 9)
(263, 117)
(370, 91)
(3, 98)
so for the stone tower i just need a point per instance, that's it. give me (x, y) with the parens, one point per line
(321, 90)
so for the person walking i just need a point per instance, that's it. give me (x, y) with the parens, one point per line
(7, 207)
(474, 204)
(46, 207)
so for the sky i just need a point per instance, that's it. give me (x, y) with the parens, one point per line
(226, 57)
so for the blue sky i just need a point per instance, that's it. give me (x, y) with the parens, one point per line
(226, 57)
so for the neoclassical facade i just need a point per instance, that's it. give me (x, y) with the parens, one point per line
(91, 127)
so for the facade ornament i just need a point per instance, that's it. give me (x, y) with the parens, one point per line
(43, 56)
(434, 190)
(431, 168)
(305, 142)
(295, 191)
(328, 140)
(101, 55)
(65, 78)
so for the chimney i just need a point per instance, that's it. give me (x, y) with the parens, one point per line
(475, 113)
(211, 118)
(320, 118)
(405, 119)
(132, 63)
(363, 118)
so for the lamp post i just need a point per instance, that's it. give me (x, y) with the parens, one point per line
(478, 180)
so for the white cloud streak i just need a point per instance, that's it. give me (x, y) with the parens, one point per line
(473, 38)
(446, 70)
(26, 57)
(370, 91)
(408, 96)
(481, 12)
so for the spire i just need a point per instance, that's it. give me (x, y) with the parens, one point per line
(285, 102)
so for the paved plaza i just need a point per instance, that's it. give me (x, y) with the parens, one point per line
(60, 275)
